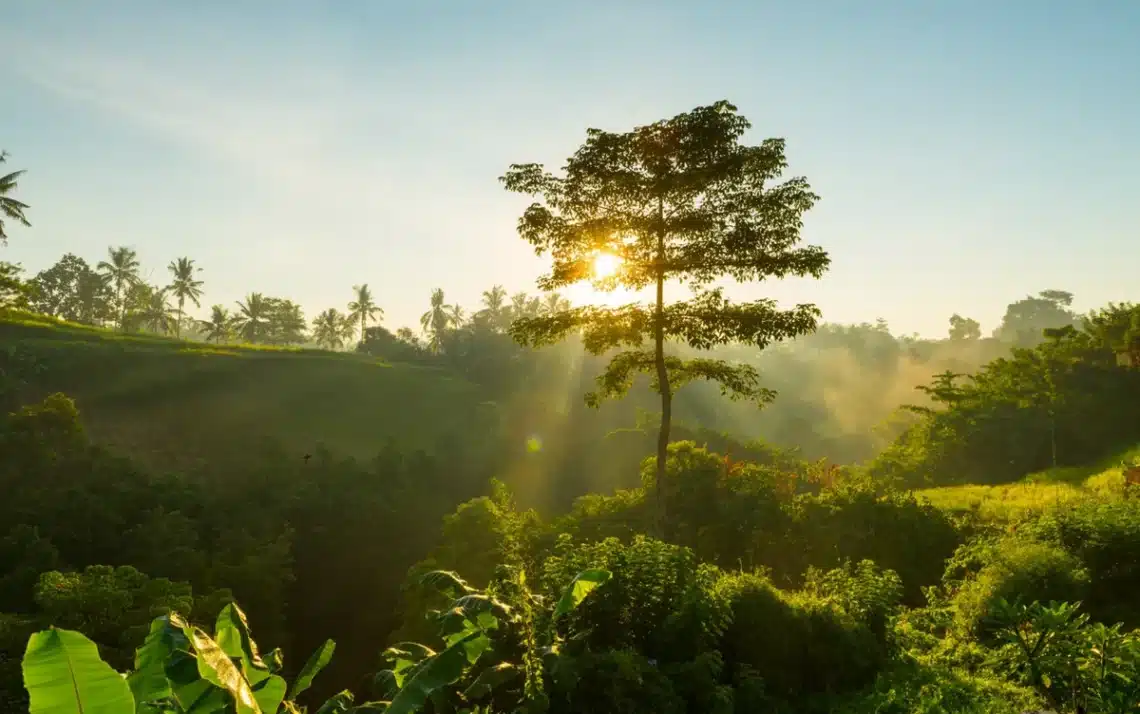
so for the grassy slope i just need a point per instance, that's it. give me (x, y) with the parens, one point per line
(181, 403)
(1009, 502)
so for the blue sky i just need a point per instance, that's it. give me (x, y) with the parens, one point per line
(967, 152)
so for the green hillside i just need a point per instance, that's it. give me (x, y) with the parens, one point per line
(181, 402)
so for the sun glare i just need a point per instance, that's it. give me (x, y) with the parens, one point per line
(606, 265)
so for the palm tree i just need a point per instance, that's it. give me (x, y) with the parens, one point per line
(436, 320)
(329, 328)
(363, 308)
(494, 307)
(122, 271)
(219, 326)
(153, 308)
(554, 304)
(252, 318)
(184, 287)
(10, 207)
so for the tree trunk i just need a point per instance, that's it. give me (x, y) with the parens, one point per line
(178, 325)
(663, 530)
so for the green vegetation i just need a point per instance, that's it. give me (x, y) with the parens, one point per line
(446, 527)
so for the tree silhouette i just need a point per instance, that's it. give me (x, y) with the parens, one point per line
(363, 308)
(494, 310)
(122, 271)
(219, 326)
(436, 320)
(184, 287)
(252, 319)
(964, 328)
(152, 308)
(681, 199)
(10, 208)
(554, 303)
(331, 328)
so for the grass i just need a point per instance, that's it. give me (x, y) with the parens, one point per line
(183, 403)
(1036, 492)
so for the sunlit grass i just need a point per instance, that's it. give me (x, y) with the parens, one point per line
(1035, 493)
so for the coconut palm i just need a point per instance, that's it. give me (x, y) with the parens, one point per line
(436, 320)
(554, 303)
(9, 207)
(184, 287)
(152, 308)
(363, 308)
(329, 328)
(219, 326)
(122, 271)
(494, 307)
(252, 318)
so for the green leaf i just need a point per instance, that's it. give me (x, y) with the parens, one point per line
(148, 681)
(489, 679)
(337, 704)
(317, 661)
(215, 666)
(434, 673)
(233, 635)
(584, 583)
(64, 675)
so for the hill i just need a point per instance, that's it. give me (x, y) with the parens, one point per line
(176, 403)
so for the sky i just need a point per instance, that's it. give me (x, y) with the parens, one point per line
(967, 153)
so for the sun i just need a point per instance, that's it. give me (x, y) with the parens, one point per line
(605, 265)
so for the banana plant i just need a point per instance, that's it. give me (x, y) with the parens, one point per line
(481, 634)
(179, 669)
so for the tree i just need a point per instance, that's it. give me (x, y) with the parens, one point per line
(494, 310)
(14, 292)
(436, 320)
(285, 322)
(964, 328)
(681, 199)
(70, 289)
(331, 328)
(10, 208)
(219, 326)
(122, 271)
(184, 287)
(554, 303)
(363, 308)
(150, 308)
(1026, 320)
(252, 319)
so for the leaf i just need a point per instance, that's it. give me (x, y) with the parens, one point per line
(64, 674)
(489, 679)
(337, 704)
(584, 583)
(317, 661)
(447, 582)
(233, 635)
(148, 681)
(434, 673)
(215, 666)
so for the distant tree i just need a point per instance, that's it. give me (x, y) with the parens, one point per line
(252, 318)
(71, 290)
(14, 292)
(554, 303)
(1117, 327)
(185, 286)
(150, 308)
(10, 208)
(219, 326)
(1026, 320)
(286, 323)
(122, 271)
(331, 328)
(681, 199)
(964, 328)
(363, 308)
(495, 312)
(436, 320)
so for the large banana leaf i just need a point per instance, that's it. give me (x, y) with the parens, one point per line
(64, 675)
(317, 661)
(215, 666)
(148, 681)
(436, 672)
(232, 633)
(585, 583)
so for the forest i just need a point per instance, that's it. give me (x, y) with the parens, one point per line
(535, 505)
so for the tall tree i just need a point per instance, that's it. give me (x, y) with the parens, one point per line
(681, 199)
(494, 310)
(436, 320)
(1026, 320)
(122, 271)
(184, 286)
(331, 328)
(554, 303)
(363, 308)
(219, 326)
(964, 328)
(252, 318)
(151, 309)
(10, 208)
(286, 322)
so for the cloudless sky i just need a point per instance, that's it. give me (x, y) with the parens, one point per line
(968, 152)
